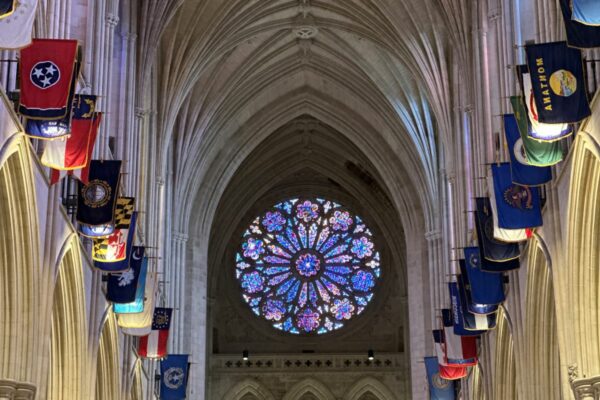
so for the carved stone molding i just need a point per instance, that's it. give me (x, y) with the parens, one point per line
(583, 388)
(12, 390)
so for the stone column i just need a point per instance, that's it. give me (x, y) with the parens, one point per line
(177, 272)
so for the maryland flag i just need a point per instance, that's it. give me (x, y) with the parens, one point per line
(114, 247)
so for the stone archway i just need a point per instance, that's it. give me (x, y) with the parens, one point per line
(309, 387)
(369, 389)
(249, 389)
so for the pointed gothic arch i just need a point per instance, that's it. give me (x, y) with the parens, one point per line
(248, 388)
(108, 371)
(309, 386)
(371, 386)
(505, 370)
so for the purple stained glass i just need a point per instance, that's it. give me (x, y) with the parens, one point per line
(307, 266)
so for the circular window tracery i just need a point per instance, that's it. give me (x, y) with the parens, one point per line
(308, 266)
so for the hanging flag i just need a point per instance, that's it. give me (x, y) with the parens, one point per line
(490, 248)
(173, 377)
(586, 12)
(485, 287)
(556, 72)
(538, 153)
(122, 287)
(578, 34)
(461, 351)
(126, 235)
(46, 71)
(154, 345)
(16, 26)
(440, 350)
(140, 323)
(67, 153)
(96, 200)
(476, 321)
(518, 206)
(439, 388)
(113, 247)
(83, 173)
(137, 304)
(521, 171)
(96, 231)
(465, 291)
(457, 313)
(7, 7)
(502, 234)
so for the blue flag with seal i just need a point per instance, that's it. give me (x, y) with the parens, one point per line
(521, 171)
(485, 287)
(464, 287)
(97, 200)
(490, 248)
(123, 265)
(137, 305)
(174, 376)
(578, 34)
(458, 313)
(439, 388)
(96, 231)
(122, 287)
(476, 321)
(587, 12)
(558, 83)
(518, 206)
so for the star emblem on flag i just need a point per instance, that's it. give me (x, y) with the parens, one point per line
(45, 74)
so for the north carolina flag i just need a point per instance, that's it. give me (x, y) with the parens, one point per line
(83, 173)
(71, 152)
(16, 24)
(46, 73)
(154, 345)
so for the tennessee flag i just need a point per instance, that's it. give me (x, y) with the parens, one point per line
(154, 345)
(46, 73)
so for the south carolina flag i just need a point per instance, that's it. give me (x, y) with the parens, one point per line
(154, 345)
(46, 73)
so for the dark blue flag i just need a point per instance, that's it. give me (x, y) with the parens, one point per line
(123, 265)
(521, 171)
(578, 34)
(137, 305)
(96, 200)
(458, 313)
(439, 388)
(518, 206)
(559, 89)
(587, 12)
(96, 231)
(476, 321)
(485, 287)
(173, 377)
(490, 248)
(465, 290)
(122, 287)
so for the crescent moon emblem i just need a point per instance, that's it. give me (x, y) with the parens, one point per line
(134, 256)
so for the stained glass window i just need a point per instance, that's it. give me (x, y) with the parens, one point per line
(308, 266)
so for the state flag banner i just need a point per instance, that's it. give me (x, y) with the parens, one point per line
(453, 373)
(440, 350)
(174, 376)
(503, 235)
(539, 130)
(97, 199)
(586, 12)
(559, 90)
(128, 235)
(154, 345)
(71, 152)
(460, 350)
(16, 25)
(113, 247)
(439, 387)
(96, 231)
(518, 206)
(122, 287)
(83, 173)
(46, 70)
(457, 313)
(485, 287)
(538, 153)
(464, 288)
(476, 321)
(522, 172)
(490, 248)
(7, 7)
(578, 34)
(137, 304)
(140, 323)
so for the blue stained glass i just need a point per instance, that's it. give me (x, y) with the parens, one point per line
(307, 266)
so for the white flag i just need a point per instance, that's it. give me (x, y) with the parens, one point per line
(15, 29)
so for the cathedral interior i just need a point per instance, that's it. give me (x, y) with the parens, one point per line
(306, 176)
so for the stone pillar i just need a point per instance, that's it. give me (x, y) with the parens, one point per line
(177, 272)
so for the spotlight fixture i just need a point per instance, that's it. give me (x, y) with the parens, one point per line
(245, 355)
(371, 355)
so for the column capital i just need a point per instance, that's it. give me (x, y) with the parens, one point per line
(181, 236)
(112, 20)
(25, 391)
(433, 235)
(8, 388)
